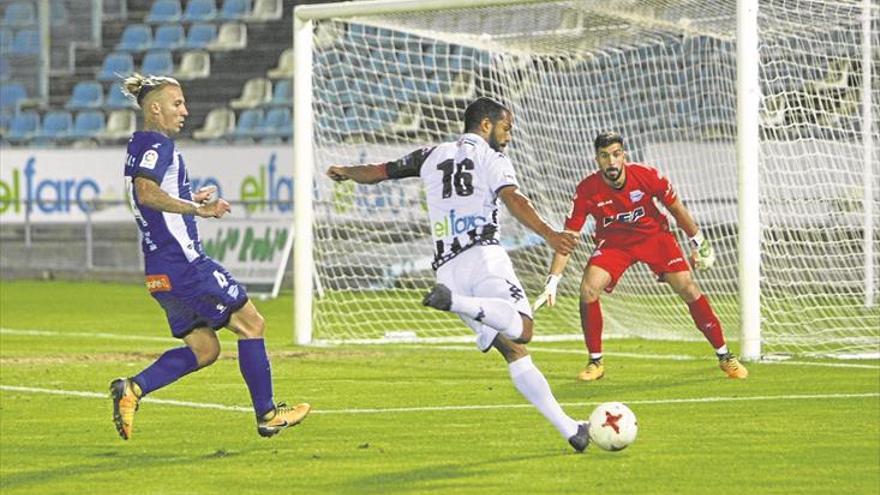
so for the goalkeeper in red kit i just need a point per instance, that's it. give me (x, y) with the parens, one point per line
(629, 228)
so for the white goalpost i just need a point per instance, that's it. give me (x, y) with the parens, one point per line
(760, 111)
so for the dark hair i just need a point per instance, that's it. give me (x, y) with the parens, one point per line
(607, 138)
(480, 109)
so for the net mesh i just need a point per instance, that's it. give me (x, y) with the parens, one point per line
(661, 73)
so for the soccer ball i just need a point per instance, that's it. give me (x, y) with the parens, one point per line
(613, 426)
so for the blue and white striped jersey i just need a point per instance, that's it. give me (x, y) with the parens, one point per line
(154, 156)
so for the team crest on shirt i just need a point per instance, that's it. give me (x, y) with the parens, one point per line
(149, 160)
(636, 195)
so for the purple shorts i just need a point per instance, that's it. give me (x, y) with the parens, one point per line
(193, 295)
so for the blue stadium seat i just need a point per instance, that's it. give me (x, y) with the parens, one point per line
(248, 124)
(169, 37)
(164, 11)
(20, 14)
(199, 36)
(87, 125)
(23, 126)
(282, 94)
(56, 127)
(358, 119)
(58, 13)
(135, 38)
(200, 11)
(11, 95)
(235, 10)
(86, 95)
(277, 123)
(117, 100)
(115, 63)
(6, 38)
(26, 43)
(158, 63)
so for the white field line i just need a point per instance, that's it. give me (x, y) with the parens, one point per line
(92, 335)
(663, 357)
(392, 410)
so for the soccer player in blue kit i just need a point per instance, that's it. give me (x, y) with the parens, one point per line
(198, 295)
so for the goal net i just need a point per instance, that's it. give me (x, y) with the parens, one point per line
(663, 74)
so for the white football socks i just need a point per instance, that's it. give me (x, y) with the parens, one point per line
(534, 387)
(496, 313)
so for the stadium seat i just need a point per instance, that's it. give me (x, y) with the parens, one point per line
(266, 10)
(169, 37)
(235, 10)
(284, 69)
(256, 92)
(232, 36)
(200, 36)
(194, 65)
(88, 125)
(357, 119)
(117, 100)
(220, 122)
(276, 124)
(56, 127)
(58, 13)
(20, 14)
(86, 95)
(135, 38)
(282, 94)
(120, 63)
(200, 11)
(5, 71)
(11, 96)
(26, 43)
(363, 34)
(22, 127)
(248, 125)
(6, 38)
(121, 124)
(158, 63)
(164, 11)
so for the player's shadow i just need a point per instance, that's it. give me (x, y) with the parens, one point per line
(106, 461)
(441, 478)
(608, 387)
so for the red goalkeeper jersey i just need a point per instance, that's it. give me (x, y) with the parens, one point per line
(626, 215)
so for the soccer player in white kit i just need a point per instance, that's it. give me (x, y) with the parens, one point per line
(463, 181)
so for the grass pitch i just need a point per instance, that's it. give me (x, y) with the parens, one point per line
(408, 419)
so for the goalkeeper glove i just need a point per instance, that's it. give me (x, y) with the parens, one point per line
(549, 294)
(702, 255)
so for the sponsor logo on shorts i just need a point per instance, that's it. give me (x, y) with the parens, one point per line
(515, 292)
(158, 283)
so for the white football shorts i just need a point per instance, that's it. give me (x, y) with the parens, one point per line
(484, 271)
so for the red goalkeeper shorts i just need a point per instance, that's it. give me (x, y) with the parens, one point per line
(660, 252)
